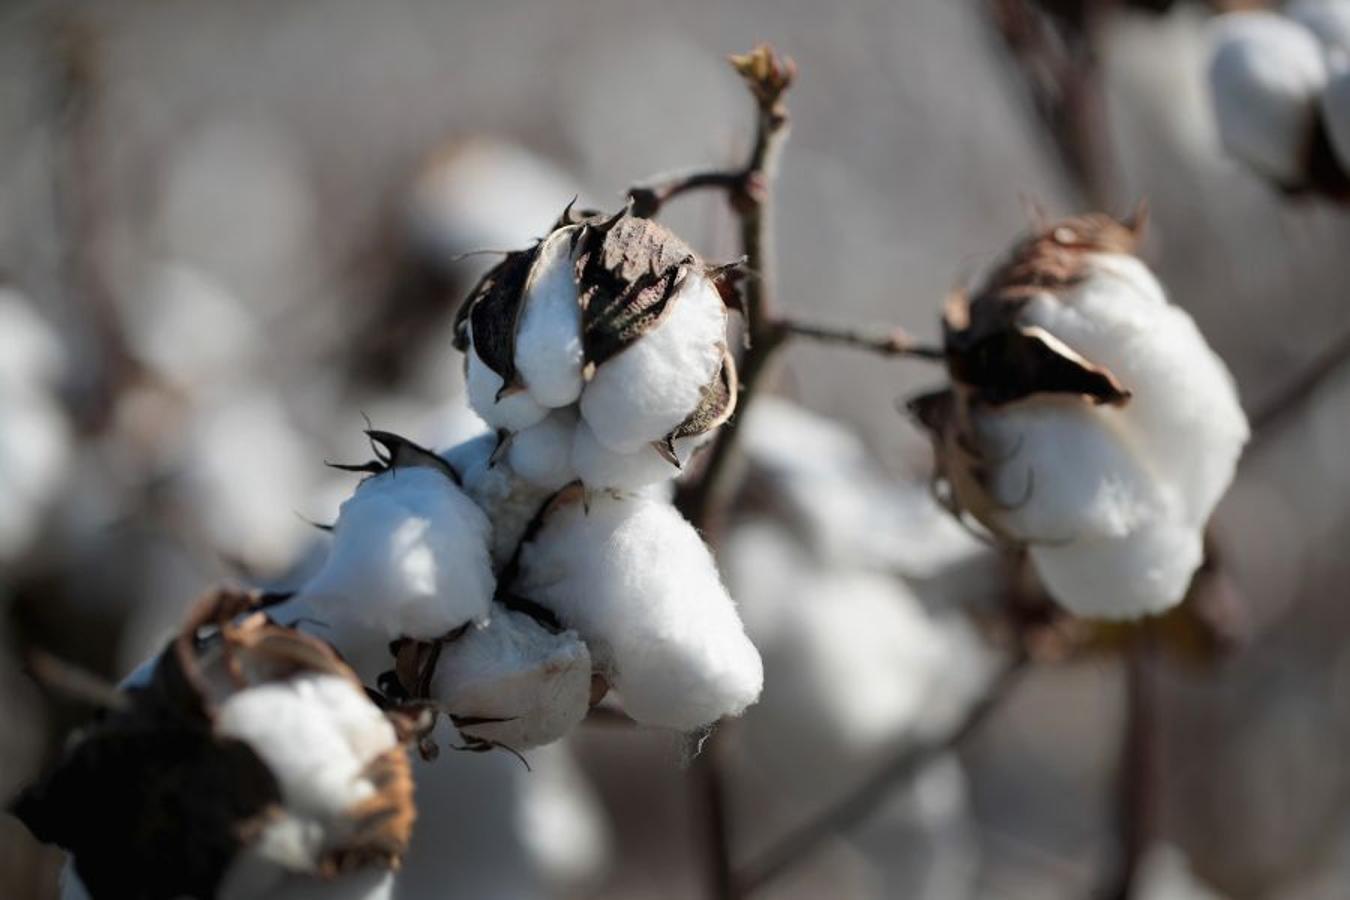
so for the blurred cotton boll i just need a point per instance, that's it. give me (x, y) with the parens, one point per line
(1265, 75)
(35, 433)
(1329, 20)
(1336, 114)
(637, 583)
(1088, 420)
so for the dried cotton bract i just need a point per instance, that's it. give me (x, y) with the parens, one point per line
(599, 354)
(250, 764)
(638, 585)
(1087, 419)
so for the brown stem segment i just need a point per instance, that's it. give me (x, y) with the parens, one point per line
(797, 846)
(897, 342)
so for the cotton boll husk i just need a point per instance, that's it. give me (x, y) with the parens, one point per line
(1144, 572)
(1336, 115)
(542, 454)
(649, 388)
(509, 501)
(548, 353)
(1183, 415)
(637, 583)
(513, 411)
(600, 467)
(515, 669)
(409, 557)
(1265, 74)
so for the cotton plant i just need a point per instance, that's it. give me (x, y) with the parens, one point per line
(1087, 419)
(1280, 85)
(245, 761)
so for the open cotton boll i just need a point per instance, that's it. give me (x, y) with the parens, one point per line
(548, 352)
(1183, 415)
(649, 388)
(542, 454)
(537, 681)
(409, 557)
(563, 822)
(600, 467)
(319, 735)
(637, 583)
(510, 502)
(1265, 75)
(513, 411)
(1140, 573)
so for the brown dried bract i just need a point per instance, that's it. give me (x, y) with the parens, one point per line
(714, 409)
(629, 270)
(492, 309)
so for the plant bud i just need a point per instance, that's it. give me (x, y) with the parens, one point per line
(251, 763)
(1266, 74)
(1087, 419)
(410, 555)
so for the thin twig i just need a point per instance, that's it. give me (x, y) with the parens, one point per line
(648, 200)
(897, 342)
(1136, 791)
(797, 846)
(1271, 414)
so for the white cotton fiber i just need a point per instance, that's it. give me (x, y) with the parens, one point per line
(1142, 573)
(515, 669)
(316, 733)
(409, 557)
(1329, 20)
(548, 336)
(510, 502)
(1183, 417)
(1060, 471)
(1265, 74)
(600, 467)
(653, 385)
(637, 583)
(513, 411)
(542, 454)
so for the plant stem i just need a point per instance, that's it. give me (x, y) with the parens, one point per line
(795, 847)
(897, 342)
(1136, 792)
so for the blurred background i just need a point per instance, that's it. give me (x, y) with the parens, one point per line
(231, 232)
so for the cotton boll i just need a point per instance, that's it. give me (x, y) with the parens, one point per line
(562, 820)
(514, 669)
(649, 388)
(600, 467)
(542, 454)
(409, 557)
(510, 502)
(548, 353)
(1265, 75)
(1141, 573)
(1336, 115)
(1183, 415)
(637, 583)
(366, 884)
(513, 411)
(31, 353)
